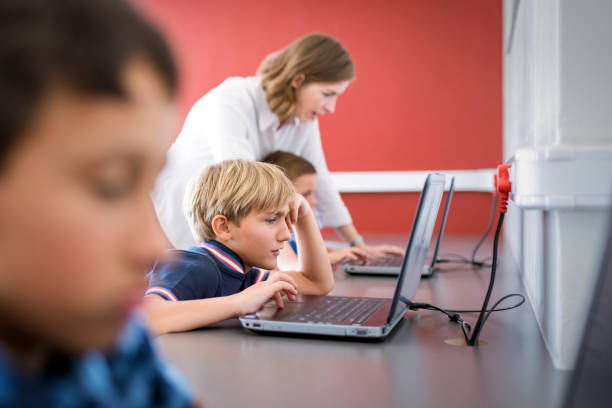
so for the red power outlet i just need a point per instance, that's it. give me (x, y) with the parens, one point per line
(503, 186)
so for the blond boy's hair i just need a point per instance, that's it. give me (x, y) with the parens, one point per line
(234, 188)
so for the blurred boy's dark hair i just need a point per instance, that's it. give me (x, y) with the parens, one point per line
(80, 45)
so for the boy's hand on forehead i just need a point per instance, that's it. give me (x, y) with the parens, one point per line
(297, 210)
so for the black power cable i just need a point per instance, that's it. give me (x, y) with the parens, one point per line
(494, 308)
(486, 234)
(454, 315)
(460, 259)
(483, 316)
(503, 188)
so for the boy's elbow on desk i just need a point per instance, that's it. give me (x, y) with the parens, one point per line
(326, 288)
(322, 287)
(327, 283)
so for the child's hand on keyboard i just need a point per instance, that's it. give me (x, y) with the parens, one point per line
(382, 250)
(340, 256)
(253, 298)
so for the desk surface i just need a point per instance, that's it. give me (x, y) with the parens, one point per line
(230, 367)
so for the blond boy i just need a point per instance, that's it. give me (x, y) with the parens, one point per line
(242, 212)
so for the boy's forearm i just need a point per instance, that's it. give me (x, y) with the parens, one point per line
(166, 316)
(313, 259)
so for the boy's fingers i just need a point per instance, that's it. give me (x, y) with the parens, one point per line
(295, 207)
(289, 295)
(294, 215)
(282, 286)
(282, 277)
(278, 299)
(290, 289)
(288, 222)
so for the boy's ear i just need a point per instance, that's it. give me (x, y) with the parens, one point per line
(298, 80)
(221, 227)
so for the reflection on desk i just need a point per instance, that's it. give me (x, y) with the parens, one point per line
(231, 367)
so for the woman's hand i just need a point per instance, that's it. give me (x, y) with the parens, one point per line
(350, 234)
(381, 250)
(339, 256)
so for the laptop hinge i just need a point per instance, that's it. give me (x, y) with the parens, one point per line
(404, 300)
(407, 301)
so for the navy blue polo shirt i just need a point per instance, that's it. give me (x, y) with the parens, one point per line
(201, 272)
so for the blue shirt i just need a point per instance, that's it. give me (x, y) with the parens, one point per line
(201, 272)
(293, 243)
(131, 375)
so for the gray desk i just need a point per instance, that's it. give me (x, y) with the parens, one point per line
(414, 367)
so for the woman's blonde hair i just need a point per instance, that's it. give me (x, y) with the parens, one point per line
(234, 188)
(319, 57)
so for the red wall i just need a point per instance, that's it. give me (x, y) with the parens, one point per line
(427, 93)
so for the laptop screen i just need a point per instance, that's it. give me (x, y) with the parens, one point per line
(449, 197)
(418, 244)
(590, 382)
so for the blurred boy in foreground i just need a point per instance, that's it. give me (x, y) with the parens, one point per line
(86, 116)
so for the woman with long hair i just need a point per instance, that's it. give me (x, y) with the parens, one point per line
(250, 117)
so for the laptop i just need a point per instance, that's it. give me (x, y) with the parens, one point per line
(358, 316)
(589, 385)
(391, 265)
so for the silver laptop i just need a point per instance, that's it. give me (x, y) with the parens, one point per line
(354, 316)
(391, 265)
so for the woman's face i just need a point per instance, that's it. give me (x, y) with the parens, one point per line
(77, 227)
(317, 98)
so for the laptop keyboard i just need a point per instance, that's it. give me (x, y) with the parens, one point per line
(384, 261)
(338, 310)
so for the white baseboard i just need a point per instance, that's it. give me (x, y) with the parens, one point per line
(409, 181)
